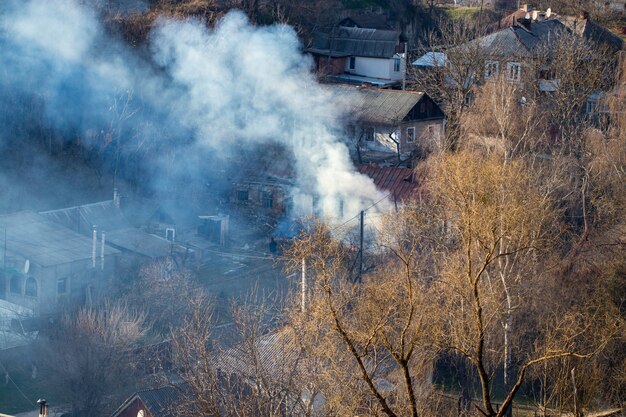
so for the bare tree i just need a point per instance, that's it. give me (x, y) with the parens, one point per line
(89, 355)
(255, 373)
(451, 82)
(371, 338)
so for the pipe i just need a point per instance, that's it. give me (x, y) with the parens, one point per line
(93, 246)
(102, 252)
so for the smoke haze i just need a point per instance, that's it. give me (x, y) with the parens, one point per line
(197, 96)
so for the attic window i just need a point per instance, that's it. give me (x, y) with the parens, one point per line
(352, 62)
(369, 134)
(410, 135)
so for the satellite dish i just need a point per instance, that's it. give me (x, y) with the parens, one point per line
(26, 266)
(535, 14)
(548, 13)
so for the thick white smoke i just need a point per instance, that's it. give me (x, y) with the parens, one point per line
(221, 88)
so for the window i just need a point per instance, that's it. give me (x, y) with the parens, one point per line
(242, 195)
(492, 69)
(268, 199)
(16, 284)
(397, 62)
(369, 134)
(410, 135)
(591, 106)
(31, 287)
(352, 62)
(513, 70)
(62, 286)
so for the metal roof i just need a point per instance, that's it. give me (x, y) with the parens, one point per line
(161, 402)
(104, 214)
(44, 242)
(397, 181)
(140, 242)
(118, 230)
(276, 354)
(430, 59)
(376, 105)
(521, 41)
(352, 41)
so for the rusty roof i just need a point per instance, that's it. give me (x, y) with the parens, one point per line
(398, 181)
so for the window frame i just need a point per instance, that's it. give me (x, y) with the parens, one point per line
(352, 63)
(515, 76)
(15, 284)
(410, 137)
(369, 133)
(397, 64)
(28, 288)
(492, 69)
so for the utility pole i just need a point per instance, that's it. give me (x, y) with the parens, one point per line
(303, 305)
(361, 247)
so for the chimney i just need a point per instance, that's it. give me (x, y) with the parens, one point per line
(584, 15)
(94, 242)
(527, 21)
(102, 252)
(116, 198)
(43, 408)
(525, 7)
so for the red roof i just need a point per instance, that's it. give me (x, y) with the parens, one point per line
(399, 182)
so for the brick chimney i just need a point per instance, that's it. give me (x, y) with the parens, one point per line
(584, 15)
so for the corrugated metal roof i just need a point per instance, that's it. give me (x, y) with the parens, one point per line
(140, 242)
(520, 41)
(160, 402)
(364, 42)
(375, 105)
(397, 181)
(104, 214)
(44, 242)
(277, 352)
(110, 219)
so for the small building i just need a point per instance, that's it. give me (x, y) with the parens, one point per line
(392, 120)
(106, 217)
(354, 55)
(158, 402)
(44, 266)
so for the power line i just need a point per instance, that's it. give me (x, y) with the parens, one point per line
(16, 386)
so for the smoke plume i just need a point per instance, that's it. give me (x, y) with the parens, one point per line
(193, 96)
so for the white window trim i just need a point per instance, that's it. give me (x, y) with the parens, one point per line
(397, 62)
(492, 69)
(516, 76)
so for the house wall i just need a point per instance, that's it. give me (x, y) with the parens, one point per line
(428, 135)
(374, 67)
(330, 66)
(257, 198)
(48, 300)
